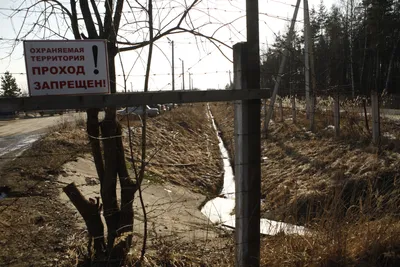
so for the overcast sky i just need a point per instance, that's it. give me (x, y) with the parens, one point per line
(209, 68)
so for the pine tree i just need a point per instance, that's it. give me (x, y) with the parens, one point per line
(9, 87)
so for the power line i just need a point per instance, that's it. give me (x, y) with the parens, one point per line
(161, 8)
(29, 10)
(243, 11)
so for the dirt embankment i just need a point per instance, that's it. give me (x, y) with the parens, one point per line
(345, 189)
(34, 226)
(182, 149)
(37, 228)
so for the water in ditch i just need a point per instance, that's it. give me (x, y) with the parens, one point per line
(221, 210)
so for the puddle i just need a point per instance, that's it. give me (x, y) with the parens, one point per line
(221, 210)
(17, 143)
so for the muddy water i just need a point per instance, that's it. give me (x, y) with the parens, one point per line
(221, 210)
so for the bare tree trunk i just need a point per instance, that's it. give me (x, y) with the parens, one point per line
(389, 72)
(294, 109)
(90, 211)
(364, 57)
(336, 114)
(108, 188)
(365, 115)
(351, 49)
(94, 134)
(128, 188)
(281, 67)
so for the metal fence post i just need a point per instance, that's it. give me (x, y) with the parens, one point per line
(247, 166)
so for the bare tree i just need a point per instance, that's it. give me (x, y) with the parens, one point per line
(107, 19)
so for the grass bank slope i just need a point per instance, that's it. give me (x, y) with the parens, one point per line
(345, 189)
(37, 229)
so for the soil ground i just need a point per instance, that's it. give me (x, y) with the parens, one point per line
(344, 189)
(39, 227)
(172, 210)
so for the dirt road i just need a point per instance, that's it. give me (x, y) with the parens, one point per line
(17, 135)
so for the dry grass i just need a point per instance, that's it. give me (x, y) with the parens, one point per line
(336, 187)
(34, 224)
(363, 244)
(170, 251)
(344, 190)
(182, 149)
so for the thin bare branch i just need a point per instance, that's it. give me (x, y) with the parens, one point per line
(141, 6)
(108, 5)
(117, 18)
(187, 11)
(97, 15)
(144, 128)
(175, 30)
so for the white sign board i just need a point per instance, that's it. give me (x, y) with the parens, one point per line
(72, 67)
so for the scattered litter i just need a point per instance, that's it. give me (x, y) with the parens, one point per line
(4, 191)
(3, 195)
(389, 136)
(329, 127)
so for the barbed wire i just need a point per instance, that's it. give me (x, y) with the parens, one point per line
(167, 74)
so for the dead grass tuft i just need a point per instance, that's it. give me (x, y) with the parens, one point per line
(172, 252)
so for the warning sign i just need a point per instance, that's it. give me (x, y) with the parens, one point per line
(66, 67)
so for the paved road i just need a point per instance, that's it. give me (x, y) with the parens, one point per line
(17, 135)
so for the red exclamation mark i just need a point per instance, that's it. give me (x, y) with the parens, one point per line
(95, 52)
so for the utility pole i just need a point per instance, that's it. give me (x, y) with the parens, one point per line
(190, 81)
(374, 29)
(312, 92)
(173, 67)
(230, 79)
(281, 69)
(183, 74)
(306, 60)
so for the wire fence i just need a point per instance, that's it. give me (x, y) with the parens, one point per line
(355, 123)
(352, 117)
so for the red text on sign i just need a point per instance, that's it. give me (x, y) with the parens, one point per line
(77, 70)
(70, 84)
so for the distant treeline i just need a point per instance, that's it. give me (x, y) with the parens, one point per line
(356, 48)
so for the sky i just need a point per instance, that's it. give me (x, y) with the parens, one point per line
(209, 66)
